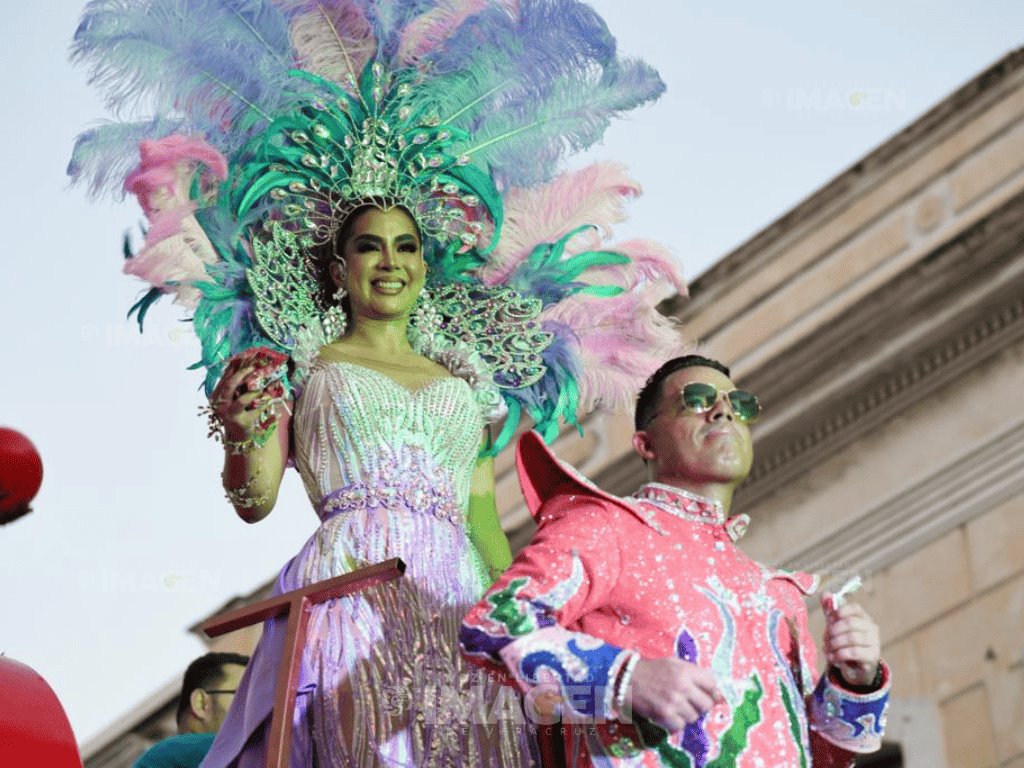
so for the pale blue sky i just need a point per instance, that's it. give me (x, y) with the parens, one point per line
(131, 540)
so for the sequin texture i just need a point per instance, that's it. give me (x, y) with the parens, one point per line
(667, 560)
(388, 470)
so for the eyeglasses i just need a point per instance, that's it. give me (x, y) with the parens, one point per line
(698, 397)
(220, 690)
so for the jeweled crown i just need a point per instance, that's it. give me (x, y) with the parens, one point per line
(336, 151)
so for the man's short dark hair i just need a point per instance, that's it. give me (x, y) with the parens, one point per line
(205, 672)
(650, 395)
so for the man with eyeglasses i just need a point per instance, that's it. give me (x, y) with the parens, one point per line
(207, 691)
(641, 623)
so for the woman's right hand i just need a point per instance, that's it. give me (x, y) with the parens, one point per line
(249, 402)
(241, 409)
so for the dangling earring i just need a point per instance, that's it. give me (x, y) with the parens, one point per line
(340, 276)
(425, 316)
(335, 320)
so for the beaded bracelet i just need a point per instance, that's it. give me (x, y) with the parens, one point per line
(622, 683)
(265, 428)
(242, 497)
(257, 439)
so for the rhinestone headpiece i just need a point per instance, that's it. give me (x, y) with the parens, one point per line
(336, 151)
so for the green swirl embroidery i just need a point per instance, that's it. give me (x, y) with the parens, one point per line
(506, 609)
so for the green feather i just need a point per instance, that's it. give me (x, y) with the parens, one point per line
(576, 265)
(508, 429)
(142, 305)
(604, 291)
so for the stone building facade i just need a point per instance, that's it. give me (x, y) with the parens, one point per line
(881, 323)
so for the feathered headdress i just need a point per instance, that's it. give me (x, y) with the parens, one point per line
(263, 123)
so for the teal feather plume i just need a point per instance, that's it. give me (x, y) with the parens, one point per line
(546, 274)
(514, 87)
(141, 307)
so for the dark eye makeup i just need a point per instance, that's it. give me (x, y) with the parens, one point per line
(368, 244)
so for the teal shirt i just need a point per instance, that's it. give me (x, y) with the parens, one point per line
(184, 751)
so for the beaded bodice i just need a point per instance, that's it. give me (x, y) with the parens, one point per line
(359, 430)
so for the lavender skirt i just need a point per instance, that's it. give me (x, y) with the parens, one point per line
(382, 682)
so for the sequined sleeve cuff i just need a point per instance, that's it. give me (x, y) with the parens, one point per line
(581, 669)
(853, 721)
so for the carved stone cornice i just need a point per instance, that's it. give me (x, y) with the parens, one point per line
(849, 419)
(948, 497)
(958, 306)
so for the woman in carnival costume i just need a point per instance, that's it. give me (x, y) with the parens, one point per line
(360, 203)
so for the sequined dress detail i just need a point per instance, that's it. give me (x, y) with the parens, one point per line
(388, 470)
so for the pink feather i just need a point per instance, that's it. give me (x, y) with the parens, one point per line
(594, 195)
(649, 262)
(175, 262)
(623, 339)
(176, 250)
(428, 31)
(166, 167)
(333, 38)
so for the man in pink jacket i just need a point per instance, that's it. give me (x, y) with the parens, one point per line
(643, 626)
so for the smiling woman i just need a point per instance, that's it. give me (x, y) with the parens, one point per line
(380, 264)
(386, 481)
(377, 269)
(303, 186)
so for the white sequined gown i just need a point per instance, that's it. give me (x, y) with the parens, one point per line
(388, 470)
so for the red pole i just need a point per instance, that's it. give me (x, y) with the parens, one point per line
(297, 605)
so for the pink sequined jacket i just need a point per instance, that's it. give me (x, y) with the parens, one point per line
(608, 580)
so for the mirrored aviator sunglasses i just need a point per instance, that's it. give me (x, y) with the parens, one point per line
(700, 398)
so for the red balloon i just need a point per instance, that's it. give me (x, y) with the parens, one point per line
(34, 729)
(21, 474)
